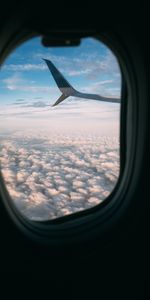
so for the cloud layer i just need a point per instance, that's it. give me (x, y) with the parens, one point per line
(55, 175)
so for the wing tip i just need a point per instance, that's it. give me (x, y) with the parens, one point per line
(54, 104)
(46, 60)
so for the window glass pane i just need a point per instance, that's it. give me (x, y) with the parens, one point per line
(58, 160)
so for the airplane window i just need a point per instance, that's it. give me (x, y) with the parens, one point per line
(60, 127)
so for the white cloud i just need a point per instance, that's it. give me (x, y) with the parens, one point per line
(24, 67)
(13, 82)
(16, 82)
(103, 82)
(53, 175)
(78, 72)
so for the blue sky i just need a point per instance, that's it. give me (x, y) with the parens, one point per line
(27, 88)
(89, 66)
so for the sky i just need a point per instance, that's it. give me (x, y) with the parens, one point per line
(90, 66)
(27, 88)
(59, 160)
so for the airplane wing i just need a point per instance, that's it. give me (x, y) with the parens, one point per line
(67, 89)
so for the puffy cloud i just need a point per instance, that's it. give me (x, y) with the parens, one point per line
(54, 175)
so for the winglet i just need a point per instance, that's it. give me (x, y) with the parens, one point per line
(60, 99)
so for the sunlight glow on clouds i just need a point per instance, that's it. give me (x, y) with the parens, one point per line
(53, 176)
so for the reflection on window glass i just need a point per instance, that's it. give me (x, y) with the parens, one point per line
(58, 160)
